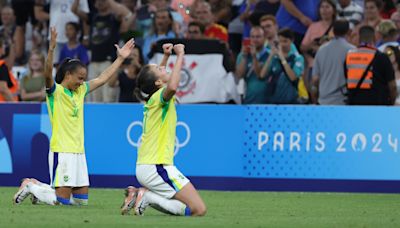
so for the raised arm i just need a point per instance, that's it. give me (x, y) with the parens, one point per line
(78, 12)
(173, 83)
(123, 53)
(48, 68)
(167, 48)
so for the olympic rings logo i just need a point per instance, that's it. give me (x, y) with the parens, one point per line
(139, 124)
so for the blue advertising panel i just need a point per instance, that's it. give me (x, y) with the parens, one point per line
(230, 147)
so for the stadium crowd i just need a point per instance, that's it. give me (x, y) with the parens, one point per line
(286, 51)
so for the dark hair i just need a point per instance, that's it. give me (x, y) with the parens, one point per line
(341, 27)
(74, 25)
(332, 4)
(154, 20)
(396, 53)
(68, 65)
(198, 24)
(287, 33)
(145, 83)
(367, 34)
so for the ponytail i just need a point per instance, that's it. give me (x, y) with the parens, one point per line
(68, 65)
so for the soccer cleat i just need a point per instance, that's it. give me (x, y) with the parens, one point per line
(130, 200)
(141, 202)
(23, 191)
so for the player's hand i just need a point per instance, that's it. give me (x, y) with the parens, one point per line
(53, 38)
(167, 48)
(179, 49)
(126, 50)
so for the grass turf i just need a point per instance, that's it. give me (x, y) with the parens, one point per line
(225, 209)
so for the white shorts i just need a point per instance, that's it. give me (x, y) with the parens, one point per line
(68, 170)
(165, 180)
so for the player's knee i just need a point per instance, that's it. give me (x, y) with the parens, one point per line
(199, 210)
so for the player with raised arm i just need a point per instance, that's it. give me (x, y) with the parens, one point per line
(165, 188)
(65, 102)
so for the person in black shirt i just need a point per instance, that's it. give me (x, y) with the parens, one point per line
(126, 79)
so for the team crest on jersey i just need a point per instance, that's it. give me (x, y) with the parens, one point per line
(66, 178)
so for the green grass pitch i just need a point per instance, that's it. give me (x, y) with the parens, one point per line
(225, 209)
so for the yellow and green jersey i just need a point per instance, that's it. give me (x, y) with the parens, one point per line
(66, 116)
(159, 125)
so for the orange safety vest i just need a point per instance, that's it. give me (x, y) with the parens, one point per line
(357, 61)
(14, 88)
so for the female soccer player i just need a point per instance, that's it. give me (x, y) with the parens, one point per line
(65, 99)
(165, 187)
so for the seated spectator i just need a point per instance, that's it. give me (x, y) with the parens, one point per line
(8, 83)
(248, 66)
(203, 14)
(195, 31)
(389, 33)
(394, 55)
(33, 85)
(73, 49)
(349, 10)
(282, 70)
(162, 29)
(126, 79)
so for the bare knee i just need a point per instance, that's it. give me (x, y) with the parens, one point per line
(200, 210)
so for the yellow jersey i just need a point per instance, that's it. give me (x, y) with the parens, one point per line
(159, 126)
(65, 109)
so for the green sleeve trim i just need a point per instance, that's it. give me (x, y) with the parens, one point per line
(162, 98)
(87, 88)
(51, 103)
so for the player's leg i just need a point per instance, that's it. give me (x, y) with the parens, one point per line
(189, 196)
(164, 183)
(80, 179)
(39, 191)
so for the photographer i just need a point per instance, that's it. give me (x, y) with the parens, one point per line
(282, 70)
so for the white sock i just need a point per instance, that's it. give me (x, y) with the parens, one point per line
(169, 206)
(43, 192)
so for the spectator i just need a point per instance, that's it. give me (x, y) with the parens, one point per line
(106, 25)
(73, 49)
(371, 18)
(7, 27)
(24, 11)
(126, 79)
(396, 16)
(203, 14)
(369, 73)
(33, 85)
(264, 7)
(318, 33)
(388, 9)
(245, 11)
(297, 15)
(184, 8)
(270, 27)
(221, 10)
(162, 29)
(248, 63)
(349, 10)
(195, 31)
(8, 83)
(389, 33)
(328, 79)
(394, 55)
(146, 14)
(60, 14)
(282, 70)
